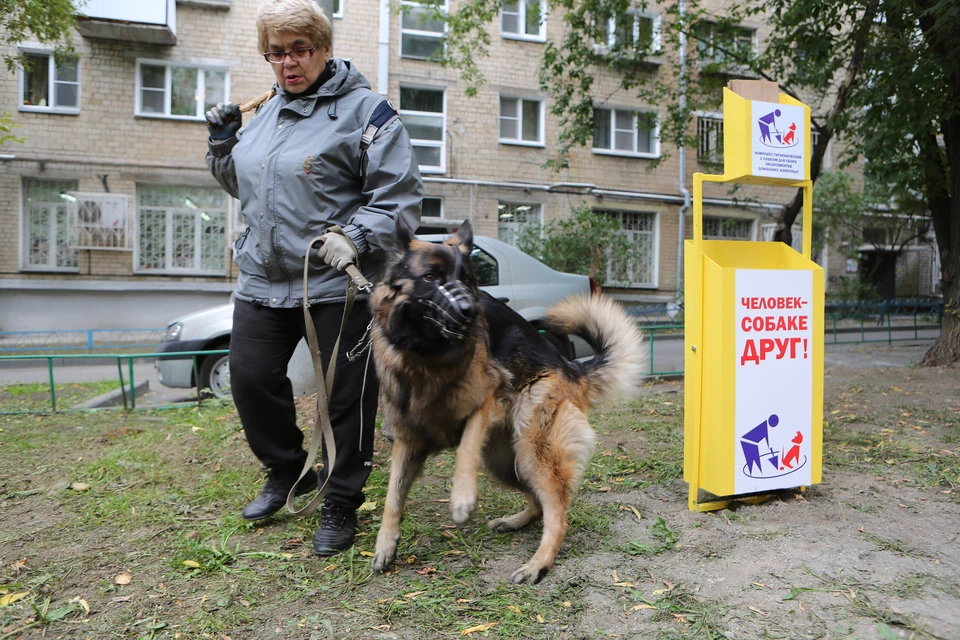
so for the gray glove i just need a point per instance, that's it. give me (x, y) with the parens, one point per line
(224, 120)
(336, 250)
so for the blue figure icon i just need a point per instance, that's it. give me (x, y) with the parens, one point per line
(750, 441)
(768, 123)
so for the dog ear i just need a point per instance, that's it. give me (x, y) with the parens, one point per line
(465, 237)
(404, 234)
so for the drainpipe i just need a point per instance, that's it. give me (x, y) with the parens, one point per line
(383, 49)
(682, 151)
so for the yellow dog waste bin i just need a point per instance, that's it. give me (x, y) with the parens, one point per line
(753, 393)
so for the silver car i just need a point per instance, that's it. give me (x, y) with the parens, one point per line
(525, 284)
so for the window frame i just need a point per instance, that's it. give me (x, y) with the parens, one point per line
(656, 44)
(724, 219)
(541, 125)
(654, 234)
(715, 117)
(516, 230)
(51, 84)
(442, 143)
(337, 9)
(168, 65)
(24, 235)
(655, 134)
(707, 55)
(168, 239)
(442, 37)
(522, 20)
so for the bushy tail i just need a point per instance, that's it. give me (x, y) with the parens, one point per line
(621, 355)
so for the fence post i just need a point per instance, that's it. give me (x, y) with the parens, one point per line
(90, 340)
(650, 331)
(53, 392)
(123, 389)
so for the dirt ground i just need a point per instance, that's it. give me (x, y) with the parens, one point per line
(871, 552)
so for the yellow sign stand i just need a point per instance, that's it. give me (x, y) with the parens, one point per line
(753, 392)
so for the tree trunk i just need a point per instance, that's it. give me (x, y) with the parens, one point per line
(788, 214)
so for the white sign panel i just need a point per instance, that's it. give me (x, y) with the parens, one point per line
(778, 134)
(774, 381)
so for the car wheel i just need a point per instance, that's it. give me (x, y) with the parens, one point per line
(215, 375)
(562, 343)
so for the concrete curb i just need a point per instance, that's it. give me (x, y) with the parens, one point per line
(115, 398)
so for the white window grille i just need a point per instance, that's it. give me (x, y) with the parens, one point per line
(423, 113)
(181, 229)
(183, 92)
(631, 30)
(717, 228)
(44, 232)
(709, 139)
(48, 86)
(524, 20)
(640, 270)
(623, 132)
(422, 32)
(512, 217)
(99, 221)
(521, 121)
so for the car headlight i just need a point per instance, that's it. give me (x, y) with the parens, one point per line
(173, 332)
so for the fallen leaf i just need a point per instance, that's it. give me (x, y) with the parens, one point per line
(83, 604)
(195, 429)
(121, 599)
(79, 486)
(514, 608)
(413, 594)
(643, 606)
(10, 598)
(567, 604)
(755, 610)
(800, 606)
(623, 584)
(540, 619)
(124, 578)
(290, 555)
(616, 578)
(193, 564)
(426, 571)
(369, 505)
(478, 628)
(368, 554)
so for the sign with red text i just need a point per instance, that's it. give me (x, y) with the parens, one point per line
(774, 379)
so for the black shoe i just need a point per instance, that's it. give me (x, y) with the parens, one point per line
(338, 526)
(274, 494)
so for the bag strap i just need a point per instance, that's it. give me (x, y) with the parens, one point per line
(322, 427)
(379, 117)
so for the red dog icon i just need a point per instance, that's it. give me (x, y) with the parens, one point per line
(791, 135)
(793, 455)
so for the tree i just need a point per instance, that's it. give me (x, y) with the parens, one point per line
(585, 243)
(882, 75)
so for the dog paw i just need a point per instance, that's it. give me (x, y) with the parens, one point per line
(500, 525)
(382, 559)
(529, 574)
(461, 508)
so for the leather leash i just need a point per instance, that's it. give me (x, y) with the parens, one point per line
(322, 428)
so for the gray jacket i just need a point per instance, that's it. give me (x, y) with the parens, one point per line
(297, 168)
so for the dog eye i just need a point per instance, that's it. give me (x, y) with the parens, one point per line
(429, 277)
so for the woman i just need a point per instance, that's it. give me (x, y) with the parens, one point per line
(298, 168)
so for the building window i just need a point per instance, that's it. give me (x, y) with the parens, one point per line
(524, 19)
(422, 31)
(44, 231)
(715, 228)
(181, 229)
(718, 44)
(337, 8)
(46, 85)
(710, 139)
(422, 112)
(431, 207)
(521, 121)
(513, 217)
(182, 92)
(621, 132)
(640, 270)
(631, 30)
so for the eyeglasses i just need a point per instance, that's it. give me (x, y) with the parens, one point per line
(301, 53)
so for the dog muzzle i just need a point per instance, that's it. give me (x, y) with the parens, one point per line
(451, 308)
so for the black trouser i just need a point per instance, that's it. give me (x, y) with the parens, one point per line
(262, 341)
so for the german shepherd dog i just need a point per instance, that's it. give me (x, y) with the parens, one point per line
(459, 368)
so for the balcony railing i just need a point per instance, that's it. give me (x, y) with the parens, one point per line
(149, 21)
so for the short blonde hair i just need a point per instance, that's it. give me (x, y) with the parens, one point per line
(302, 17)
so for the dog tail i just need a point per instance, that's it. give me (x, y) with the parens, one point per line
(621, 354)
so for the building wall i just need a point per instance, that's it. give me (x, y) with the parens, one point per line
(107, 145)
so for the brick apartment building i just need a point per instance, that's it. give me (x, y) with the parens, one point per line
(109, 217)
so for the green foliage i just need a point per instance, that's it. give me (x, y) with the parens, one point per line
(584, 243)
(50, 22)
(7, 125)
(666, 539)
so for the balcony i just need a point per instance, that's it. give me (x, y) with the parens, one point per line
(145, 21)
